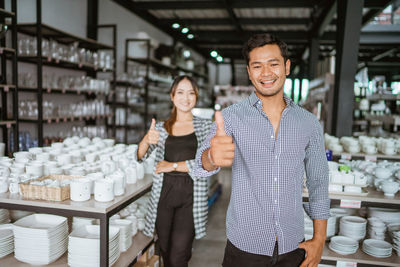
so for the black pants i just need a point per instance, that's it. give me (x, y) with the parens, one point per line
(174, 224)
(235, 257)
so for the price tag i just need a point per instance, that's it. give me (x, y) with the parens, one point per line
(6, 89)
(57, 61)
(65, 119)
(57, 120)
(80, 65)
(346, 264)
(48, 90)
(80, 118)
(139, 254)
(345, 156)
(49, 120)
(63, 90)
(78, 92)
(371, 158)
(8, 125)
(155, 238)
(48, 59)
(355, 204)
(1, 51)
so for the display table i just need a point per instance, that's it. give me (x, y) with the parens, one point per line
(90, 209)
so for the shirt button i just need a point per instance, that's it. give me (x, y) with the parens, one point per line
(275, 179)
(272, 136)
(276, 201)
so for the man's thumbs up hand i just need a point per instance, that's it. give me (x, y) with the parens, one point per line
(222, 150)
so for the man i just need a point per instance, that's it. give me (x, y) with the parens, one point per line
(270, 142)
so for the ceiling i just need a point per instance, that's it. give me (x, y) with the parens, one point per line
(224, 25)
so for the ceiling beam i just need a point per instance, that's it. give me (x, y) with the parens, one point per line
(233, 17)
(375, 10)
(242, 21)
(131, 6)
(324, 19)
(220, 5)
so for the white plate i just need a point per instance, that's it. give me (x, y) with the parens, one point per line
(344, 241)
(41, 222)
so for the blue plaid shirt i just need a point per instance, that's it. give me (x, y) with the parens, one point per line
(268, 173)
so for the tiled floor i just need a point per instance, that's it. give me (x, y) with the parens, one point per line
(209, 251)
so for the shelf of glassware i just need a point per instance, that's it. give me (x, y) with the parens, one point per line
(361, 257)
(140, 243)
(372, 196)
(366, 156)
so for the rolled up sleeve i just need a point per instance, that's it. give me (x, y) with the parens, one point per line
(198, 170)
(317, 173)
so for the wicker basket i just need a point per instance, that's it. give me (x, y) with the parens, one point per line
(43, 192)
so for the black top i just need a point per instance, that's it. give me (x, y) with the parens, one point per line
(180, 148)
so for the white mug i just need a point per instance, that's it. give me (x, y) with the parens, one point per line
(104, 190)
(14, 188)
(80, 189)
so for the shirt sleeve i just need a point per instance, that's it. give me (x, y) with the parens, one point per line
(317, 173)
(199, 171)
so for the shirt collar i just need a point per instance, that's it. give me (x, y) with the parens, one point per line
(255, 100)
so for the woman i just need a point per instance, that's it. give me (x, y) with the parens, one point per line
(178, 203)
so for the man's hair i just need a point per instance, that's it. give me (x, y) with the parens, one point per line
(259, 40)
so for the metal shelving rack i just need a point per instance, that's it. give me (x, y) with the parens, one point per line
(9, 53)
(41, 31)
(149, 62)
(87, 209)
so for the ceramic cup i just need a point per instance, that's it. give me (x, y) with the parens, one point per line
(80, 189)
(104, 190)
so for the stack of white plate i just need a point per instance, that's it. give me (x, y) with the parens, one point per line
(339, 213)
(6, 242)
(84, 246)
(4, 216)
(377, 248)
(78, 222)
(125, 234)
(353, 226)
(40, 238)
(376, 228)
(343, 245)
(385, 214)
(394, 231)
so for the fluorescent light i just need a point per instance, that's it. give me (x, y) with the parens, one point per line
(176, 25)
(186, 53)
(214, 53)
(190, 36)
(185, 30)
(220, 59)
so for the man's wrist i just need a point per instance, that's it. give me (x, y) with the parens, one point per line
(210, 158)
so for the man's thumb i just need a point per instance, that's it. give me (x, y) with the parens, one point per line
(219, 120)
(153, 124)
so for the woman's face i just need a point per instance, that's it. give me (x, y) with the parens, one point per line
(185, 96)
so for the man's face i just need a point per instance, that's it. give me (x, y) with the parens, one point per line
(267, 69)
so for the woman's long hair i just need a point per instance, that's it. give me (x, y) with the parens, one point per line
(172, 118)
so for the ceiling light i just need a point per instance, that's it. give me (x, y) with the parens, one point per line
(190, 36)
(220, 59)
(176, 25)
(186, 53)
(185, 30)
(214, 53)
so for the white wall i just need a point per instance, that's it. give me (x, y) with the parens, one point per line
(66, 15)
(128, 26)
